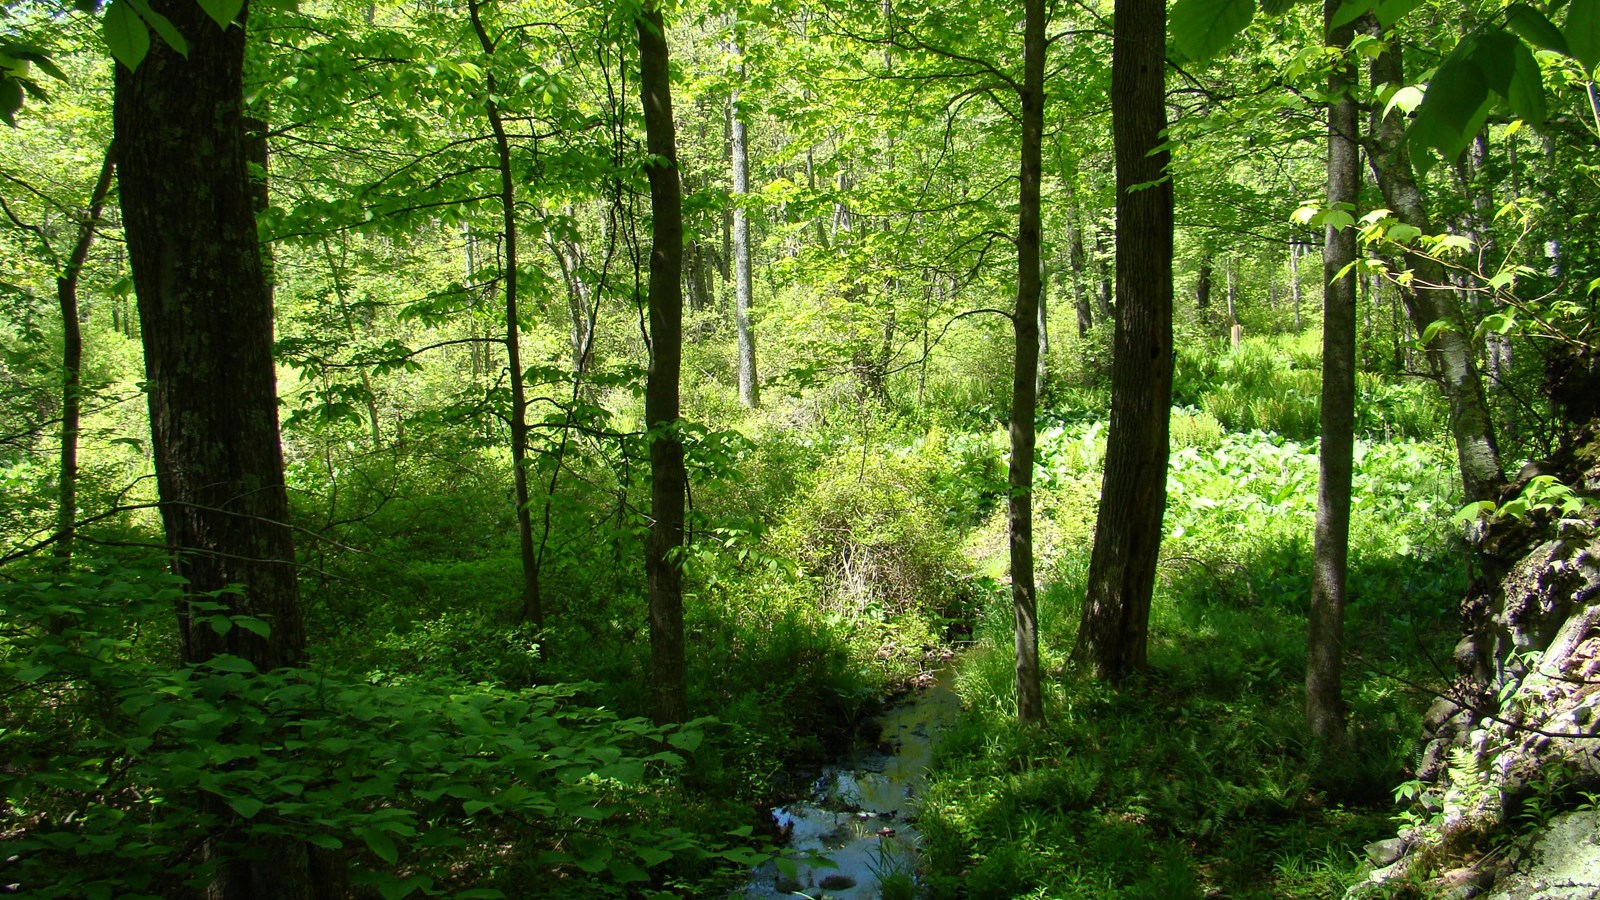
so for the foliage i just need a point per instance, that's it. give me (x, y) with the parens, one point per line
(119, 766)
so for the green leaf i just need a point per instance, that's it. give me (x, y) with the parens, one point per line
(652, 856)
(223, 12)
(1454, 108)
(1401, 233)
(623, 871)
(246, 806)
(162, 27)
(1526, 96)
(1202, 28)
(1406, 98)
(125, 34)
(1434, 328)
(1532, 26)
(30, 674)
(1336, 219)
(1491, 53)
(1350, 11)
(1582, 31)
(253, 625)
(380, 843)
(227, 662)
(686, 741)
(10, 100)
(1390, 12)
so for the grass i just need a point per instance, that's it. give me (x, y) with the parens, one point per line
(1196, 778)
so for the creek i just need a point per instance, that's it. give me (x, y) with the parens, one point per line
(861, 811)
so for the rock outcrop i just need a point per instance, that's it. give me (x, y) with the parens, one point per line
(1516, 738)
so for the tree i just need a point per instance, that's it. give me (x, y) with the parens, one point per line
(206, 311)
(1430, 299)
(68, 273)
(668, 480)
(749, 386)
(1113, 634)
(1325, 711)
(532, 606)
(1025, 321)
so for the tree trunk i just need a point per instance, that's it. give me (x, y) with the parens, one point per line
(1113, 635)
(72, 363)
(1042, 371)
(1024, 399)
(532, 602)
(1430, 300)
(1077, 260)
(1295, 250)
(1325, 711)
(1235, 330)
(749, 387)
(668, 480)
(1103, 269)
(206, 316)
(1202, 284)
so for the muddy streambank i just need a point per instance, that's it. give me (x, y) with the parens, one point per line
(860, 812)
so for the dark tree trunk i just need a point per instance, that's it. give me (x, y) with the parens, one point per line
(72, 362)
(1325, 711)
(1024, 386)
(1113, 635)
(206, 315)
(749, 387)
(532, 601)
(668, 480)
(206, 312)
(1202, 284)
(1430, 300)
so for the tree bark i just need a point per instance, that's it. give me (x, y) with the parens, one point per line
(532, 602)
(668, 480)
(206, 314)
(1325, 710)
(1430, 299)
(1202, 284)
(1113, 635)
(205, 307)
(749, 387)
(72, 363)
(1024, 386)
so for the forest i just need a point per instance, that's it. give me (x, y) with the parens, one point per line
(824, 448)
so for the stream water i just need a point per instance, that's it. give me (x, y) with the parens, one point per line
(862, 810)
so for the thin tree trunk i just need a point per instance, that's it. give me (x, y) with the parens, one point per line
(1103, 269)
(1113, 635)
(749, 387)
(1325, 710)
(1024, 397)
(1202, 284)
(1430, 300)
(1235, 330)
(668, 480)
(1295, 250)
(1042, 377)
(532, 602)
(1076, 258)
(72, 362)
